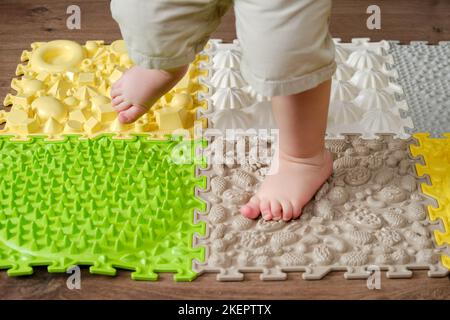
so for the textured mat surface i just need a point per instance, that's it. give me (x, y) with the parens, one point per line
(363, 99)
(111, 203)
(65, 88)
(229, 98)
(102, 202)
(435, 157)
(370, 212)
(424, 76)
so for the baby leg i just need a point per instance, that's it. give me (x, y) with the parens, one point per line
(301, 164)
(162, 38)
(288, 54)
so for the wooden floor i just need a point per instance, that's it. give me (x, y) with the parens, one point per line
(26, 21)
(43, 285)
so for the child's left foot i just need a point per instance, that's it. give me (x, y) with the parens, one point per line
(283, 194)
(139, 88)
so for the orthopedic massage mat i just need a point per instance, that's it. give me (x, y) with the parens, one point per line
(65, 88)
(101, 202)
(80, 188)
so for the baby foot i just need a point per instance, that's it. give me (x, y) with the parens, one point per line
(139, 88)
(283, 194)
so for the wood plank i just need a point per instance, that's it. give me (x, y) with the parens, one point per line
(53, 286)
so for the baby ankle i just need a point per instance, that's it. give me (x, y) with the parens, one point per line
(317, 159)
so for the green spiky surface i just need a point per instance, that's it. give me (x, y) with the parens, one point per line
(105, 203)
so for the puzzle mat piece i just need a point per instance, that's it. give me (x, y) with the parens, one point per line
(65, 88)
(228, 95)
(363, 98)
(107, 203)
(424, 75)
(435, 156)
(369, 213)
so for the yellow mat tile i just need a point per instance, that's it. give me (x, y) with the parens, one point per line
(436, 158)
(64, 89)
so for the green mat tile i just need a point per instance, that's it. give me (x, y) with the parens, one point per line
(105, 203)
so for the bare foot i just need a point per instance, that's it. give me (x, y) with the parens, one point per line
(282, 195)
(139, 88)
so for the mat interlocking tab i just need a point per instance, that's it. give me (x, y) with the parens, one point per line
(423, 73)
(108, 203)
(363, 99)
(65, 88)
(369, 214)
(435, 156)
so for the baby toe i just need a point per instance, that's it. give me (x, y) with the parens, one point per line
(265, 209)
(132, 114)
(124, 105)
(115, 91)
(117, 100)
(297, 211)
(251, 209)
(275, 209)
(287, 210)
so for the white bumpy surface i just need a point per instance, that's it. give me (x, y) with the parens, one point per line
(363, 98)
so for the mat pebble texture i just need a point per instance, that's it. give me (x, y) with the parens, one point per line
(369, 213)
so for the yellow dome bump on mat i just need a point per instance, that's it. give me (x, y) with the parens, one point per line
(31, 86)
(49, 107)
(183, 100)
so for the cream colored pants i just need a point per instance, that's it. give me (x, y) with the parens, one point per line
(286, 46)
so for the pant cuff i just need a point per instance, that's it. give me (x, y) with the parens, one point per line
(164, 63)
(291, 86)
(160, 63)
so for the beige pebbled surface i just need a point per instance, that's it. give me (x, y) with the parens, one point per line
(369, 213)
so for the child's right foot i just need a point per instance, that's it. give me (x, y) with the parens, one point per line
(283, 194)
(139, 88)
